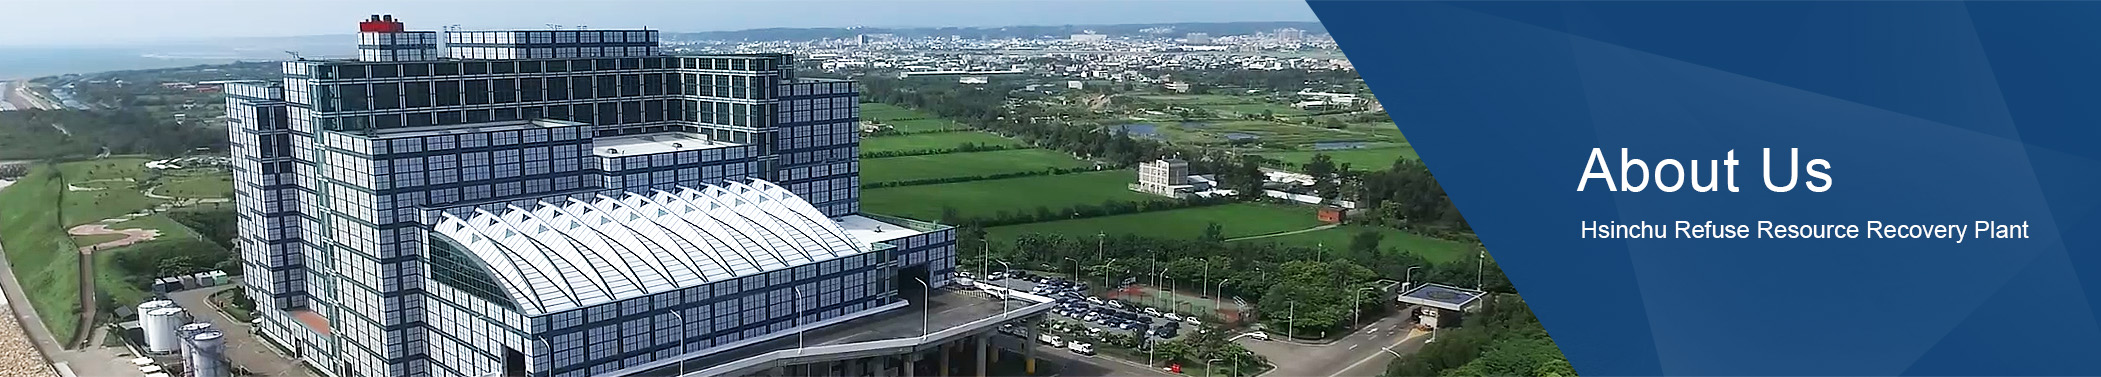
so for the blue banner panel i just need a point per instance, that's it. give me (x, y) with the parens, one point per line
(1953, 229)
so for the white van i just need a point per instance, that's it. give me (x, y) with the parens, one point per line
(1051, 340)
(1081, 348)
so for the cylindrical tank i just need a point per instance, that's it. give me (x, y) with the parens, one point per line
(160, 326)
(207, 356)
(155, 304)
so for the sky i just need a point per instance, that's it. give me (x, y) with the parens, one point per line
(109, 22)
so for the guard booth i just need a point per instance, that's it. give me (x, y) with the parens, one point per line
(1440, 305)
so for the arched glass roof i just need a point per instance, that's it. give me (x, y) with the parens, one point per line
(578, 253)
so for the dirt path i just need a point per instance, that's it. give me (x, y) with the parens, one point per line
(1281, 234)
(87, 266)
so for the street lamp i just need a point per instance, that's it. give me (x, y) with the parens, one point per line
(1009, 292)
(1105, 275)
(682, 335)
(1207, 366)
(924, 304)
(1396, 354)
(1480, 266)
(796, 308)
(1075, 268)
(1220, 291)
(1292, 324)
(1161, 300)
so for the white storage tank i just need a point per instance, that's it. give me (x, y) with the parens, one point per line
(160, 326)
(207, 355)
(148, 306)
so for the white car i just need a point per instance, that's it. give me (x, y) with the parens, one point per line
(1116, 304)
(1172, 317)
(1192, 320)
(1094, 300)
(1258, 335)
(1081, 348)
(965, 283)
(1152, 312)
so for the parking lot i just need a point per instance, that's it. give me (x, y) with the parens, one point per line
(1100, 315)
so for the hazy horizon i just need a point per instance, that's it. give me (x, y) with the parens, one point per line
(132, 22)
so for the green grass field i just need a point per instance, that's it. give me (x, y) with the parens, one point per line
(944, 140)
(921, 125)
(887, 112)
(209, 186)
(952, 165)
(986, 198)
(44, 259)
(1239, 220)
(1370, 158)
(1436, 250)
(110, 168)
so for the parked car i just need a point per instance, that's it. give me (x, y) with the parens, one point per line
(1052, 340)
(1171, 317)
(1094, 300)
(1081, 348)
(1152, 312)
(1258, 335)
(1192, 320)
(965, 283)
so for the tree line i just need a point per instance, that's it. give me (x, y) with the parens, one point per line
(45, 134)
(1318, 286)
(1503, 338)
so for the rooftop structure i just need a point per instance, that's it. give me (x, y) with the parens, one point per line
(1441, 296)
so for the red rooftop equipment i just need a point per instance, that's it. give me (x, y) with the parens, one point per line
(381, 24)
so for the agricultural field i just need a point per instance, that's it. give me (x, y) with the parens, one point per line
(942, 140)
(905, 119)
(1370, 157)
(1238, 220)
(1013, 195)
(958, 165)
(1435, 250)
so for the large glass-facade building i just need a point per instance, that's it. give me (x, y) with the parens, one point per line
(553, 203)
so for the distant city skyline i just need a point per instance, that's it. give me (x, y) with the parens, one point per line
(120, 22)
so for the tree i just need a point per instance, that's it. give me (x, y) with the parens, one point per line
(1213, 233)
(1322, 168)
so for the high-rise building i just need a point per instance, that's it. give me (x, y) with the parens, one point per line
(1197, 38)
(1291, 34)
(562, 203)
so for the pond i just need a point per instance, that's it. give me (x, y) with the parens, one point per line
(1140, 129)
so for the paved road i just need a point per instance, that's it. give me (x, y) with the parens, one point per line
(1070, 364)
(1358, 354)
(244, 348)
